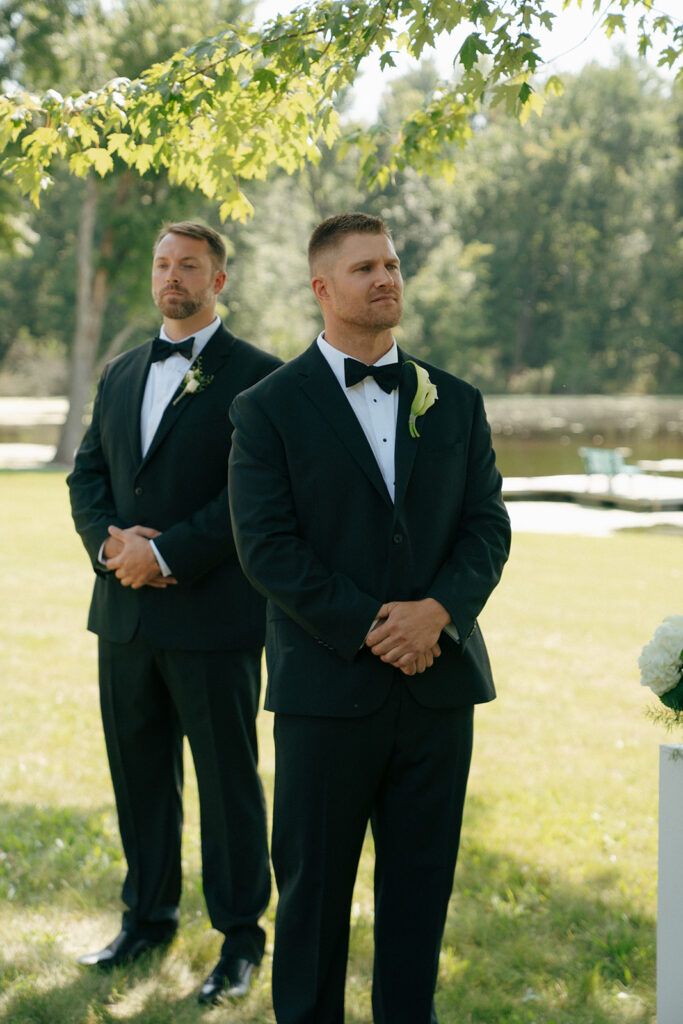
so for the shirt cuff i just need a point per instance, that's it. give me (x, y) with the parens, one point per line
(165, 571)
(375, 623)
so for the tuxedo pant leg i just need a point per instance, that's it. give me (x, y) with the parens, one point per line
(144, 745)
(326, 772)
(416, 825)
(217, 697)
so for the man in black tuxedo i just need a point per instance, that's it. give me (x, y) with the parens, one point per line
(370, 515)
(180, 629)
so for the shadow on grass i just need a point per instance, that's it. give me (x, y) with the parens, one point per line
(524, 946)
(144, 993)
(67, 858)
(521, 945)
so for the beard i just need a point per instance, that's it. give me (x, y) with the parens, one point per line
(382, 316)
(180, 307)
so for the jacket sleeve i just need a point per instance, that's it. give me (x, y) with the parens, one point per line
(190, 548)
(90, 492)
(194, 546)
(474, 565)
(275, 559)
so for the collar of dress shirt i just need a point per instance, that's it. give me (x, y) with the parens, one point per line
(200, 337)
(335, 357)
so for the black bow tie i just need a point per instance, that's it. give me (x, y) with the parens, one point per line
(388, 376)
(163, 349)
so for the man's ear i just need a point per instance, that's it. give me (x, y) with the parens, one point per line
(219, 282)
(319, 286)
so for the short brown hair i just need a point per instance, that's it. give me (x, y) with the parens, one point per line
(330, 232)
(192, 229)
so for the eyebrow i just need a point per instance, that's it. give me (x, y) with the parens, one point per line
(370, 259)
(182, 259)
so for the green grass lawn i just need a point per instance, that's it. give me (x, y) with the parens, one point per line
(552, 919)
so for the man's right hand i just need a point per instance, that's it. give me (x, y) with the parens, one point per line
(422, 662)
(115, 545)
(406, 634)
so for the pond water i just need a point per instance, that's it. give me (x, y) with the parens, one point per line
(518, 456)
(534, 435)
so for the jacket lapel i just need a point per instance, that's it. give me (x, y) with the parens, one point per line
(214, 354)
(134, 393)
(406, 446)
(322, 388)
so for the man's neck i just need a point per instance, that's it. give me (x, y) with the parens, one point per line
(365, 346)
(178, 330)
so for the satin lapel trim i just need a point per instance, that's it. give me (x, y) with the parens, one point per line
(323, 389)
(134, 397)
(214, 354)
(406, 446)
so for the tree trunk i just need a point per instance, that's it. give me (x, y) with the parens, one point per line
(91, 297)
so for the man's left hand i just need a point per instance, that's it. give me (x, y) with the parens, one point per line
(135, 565)
(407, 635)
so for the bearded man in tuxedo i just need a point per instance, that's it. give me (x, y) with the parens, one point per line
(367, 508)
(180, 630)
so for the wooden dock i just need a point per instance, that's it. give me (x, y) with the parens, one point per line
(642, 492)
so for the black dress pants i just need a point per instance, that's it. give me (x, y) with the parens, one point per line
(149, 698)
(405, 769)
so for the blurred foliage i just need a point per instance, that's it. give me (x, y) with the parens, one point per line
(551, 263)
(549, 260)
(78, 44)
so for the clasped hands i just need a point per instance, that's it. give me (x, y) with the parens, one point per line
(406, 635)
(129, 555)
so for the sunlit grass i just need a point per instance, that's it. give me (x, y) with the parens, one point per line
(552, 920)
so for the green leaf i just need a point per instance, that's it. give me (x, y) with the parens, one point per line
(266, 79)
(100, 159)
(470, 50)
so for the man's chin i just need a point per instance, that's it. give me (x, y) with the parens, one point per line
(176, 309)
(387, 321)
(387, 314)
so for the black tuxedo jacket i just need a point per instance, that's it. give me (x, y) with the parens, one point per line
(318, 534)
(180, 488)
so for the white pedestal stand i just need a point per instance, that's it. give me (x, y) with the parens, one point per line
(670, 886)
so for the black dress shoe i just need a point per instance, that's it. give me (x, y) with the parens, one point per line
(124, 949)
(230, 977)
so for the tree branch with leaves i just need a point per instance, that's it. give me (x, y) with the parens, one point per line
(239, 103)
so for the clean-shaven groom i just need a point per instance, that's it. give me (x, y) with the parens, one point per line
(371, 517)
(180, 629)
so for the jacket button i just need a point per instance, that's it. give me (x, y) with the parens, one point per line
(138, 490)
(398, 538)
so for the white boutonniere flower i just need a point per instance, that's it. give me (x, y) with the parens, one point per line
(194, 381)
(425, 396)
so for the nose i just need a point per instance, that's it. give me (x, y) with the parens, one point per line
(384, 277)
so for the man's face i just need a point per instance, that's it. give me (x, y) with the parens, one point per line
(359, 283)
(185, 280)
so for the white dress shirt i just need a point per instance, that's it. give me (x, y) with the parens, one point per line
(375, 410)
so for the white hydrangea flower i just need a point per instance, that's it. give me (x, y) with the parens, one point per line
(661, 661)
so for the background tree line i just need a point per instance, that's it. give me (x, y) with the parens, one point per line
(551, 262)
